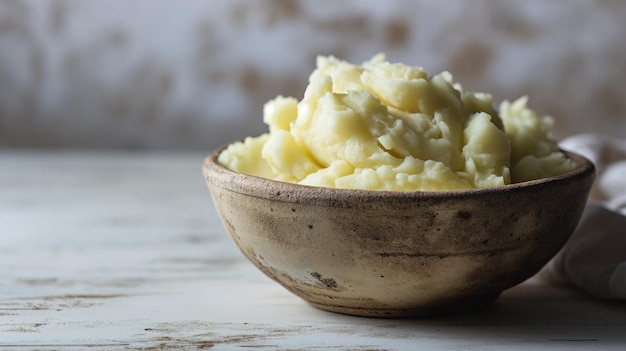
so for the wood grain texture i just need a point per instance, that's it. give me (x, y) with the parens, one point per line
(124, 251)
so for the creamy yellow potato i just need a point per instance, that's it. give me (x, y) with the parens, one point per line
(390, 126)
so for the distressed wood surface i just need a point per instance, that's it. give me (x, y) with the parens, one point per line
(124, 251)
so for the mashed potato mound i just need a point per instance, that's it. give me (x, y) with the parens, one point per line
(389, 126)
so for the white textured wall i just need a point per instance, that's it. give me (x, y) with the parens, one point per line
(195, 74)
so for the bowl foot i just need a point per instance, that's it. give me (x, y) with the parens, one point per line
(464, 305)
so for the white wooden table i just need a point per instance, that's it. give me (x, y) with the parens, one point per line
(124, 251)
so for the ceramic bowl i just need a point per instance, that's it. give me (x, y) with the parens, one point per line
(398, 254)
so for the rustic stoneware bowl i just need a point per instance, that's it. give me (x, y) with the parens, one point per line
(398, 254)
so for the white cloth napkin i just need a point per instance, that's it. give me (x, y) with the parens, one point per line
(594, 259)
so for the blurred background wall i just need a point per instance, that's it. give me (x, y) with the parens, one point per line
(195, 74)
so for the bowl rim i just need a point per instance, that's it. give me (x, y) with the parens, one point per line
(255, 186)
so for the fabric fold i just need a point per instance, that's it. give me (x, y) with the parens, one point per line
(594, 258)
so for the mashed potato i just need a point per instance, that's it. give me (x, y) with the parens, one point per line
(390, 126)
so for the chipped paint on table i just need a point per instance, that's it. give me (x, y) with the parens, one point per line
(124, 251)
